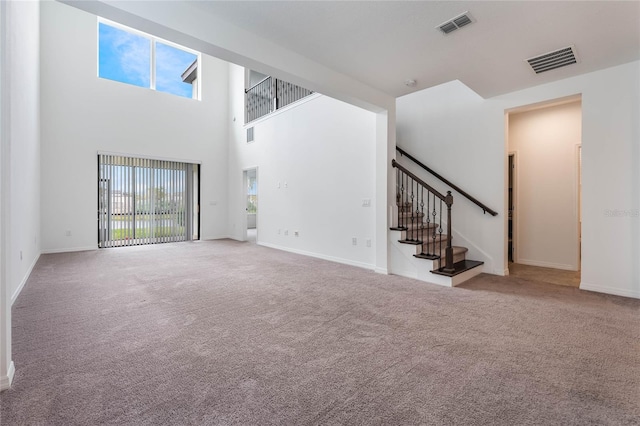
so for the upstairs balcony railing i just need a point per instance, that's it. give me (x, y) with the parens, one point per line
(269, 95)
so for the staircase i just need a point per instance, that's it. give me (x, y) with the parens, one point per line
(422, 236)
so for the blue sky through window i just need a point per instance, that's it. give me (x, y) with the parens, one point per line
(126, 57)
(170, 64)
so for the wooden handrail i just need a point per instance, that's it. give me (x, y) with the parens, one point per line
(394, 163)
(455, 187)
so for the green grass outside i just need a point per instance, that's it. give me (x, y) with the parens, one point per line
(147, 217)
(122, 234)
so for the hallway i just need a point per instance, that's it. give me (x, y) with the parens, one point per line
(548, 275)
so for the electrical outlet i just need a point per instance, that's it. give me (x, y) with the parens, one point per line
(368, 242)
(286, 185)
(366, 202)
(286, 232)
(67, 233)
(354, 241)
(296, 233)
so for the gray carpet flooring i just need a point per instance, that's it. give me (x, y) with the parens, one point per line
(225, 333)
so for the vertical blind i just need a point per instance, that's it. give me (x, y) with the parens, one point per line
(144, 201)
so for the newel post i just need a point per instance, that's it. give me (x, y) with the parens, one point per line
(448, 267)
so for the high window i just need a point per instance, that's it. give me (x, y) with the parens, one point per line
(133, 57)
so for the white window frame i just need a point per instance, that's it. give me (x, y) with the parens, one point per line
(152, 60)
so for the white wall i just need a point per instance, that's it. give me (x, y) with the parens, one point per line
(20, 158)
(545, 142)
(83, 114)
(25, 144)
(322, 154)
(452, 128)
(189, 25)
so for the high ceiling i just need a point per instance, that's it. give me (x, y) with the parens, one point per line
(384, 43)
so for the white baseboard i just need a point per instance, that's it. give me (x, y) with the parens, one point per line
(320, 256)
(69, 250)
(16, 293)
(383, 271)
(217, 237)
(546, 264)
(5, 381)
(610, 290)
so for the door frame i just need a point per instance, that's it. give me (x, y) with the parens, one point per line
(578, 189)
(514, 216)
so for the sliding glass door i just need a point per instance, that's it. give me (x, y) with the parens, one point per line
(144, 201)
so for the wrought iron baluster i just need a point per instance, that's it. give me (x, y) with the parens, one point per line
(270, 95)
(407, 208)
(424, 227)
(422, 220)
(429, 221)
(416, 213)
(400, 218)
(440, 231)
(398, 195)
(435, 221)
(405, 201)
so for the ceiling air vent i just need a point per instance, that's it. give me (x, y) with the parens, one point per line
(455, 23)
(552, 60)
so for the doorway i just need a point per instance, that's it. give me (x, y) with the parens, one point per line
(250, 197)
(543, 187)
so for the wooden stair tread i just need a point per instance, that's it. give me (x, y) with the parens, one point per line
(420, 225)
(457, 250)
(459, 267)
